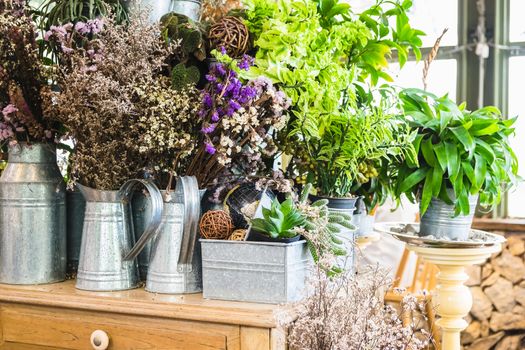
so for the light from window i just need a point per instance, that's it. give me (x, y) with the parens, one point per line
(441, 78)
(517, 25)
(430, 16)
(516, 203)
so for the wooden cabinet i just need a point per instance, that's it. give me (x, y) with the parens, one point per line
(60, 317)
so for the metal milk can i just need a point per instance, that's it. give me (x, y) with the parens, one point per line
(32, 216)
(175, 266)
(108, 250)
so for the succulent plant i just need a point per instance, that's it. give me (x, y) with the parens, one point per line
(182, 76)
(323, 228)
(280, 221)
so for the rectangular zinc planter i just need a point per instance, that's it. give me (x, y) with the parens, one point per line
(260, 272)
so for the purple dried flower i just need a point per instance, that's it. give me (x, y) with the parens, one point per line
(223, 50)
(220, 69)
(207, 100)
(80, 27)
(208, 129)
(209, 148)
(211, 78)
(246, 62)
(215, 117)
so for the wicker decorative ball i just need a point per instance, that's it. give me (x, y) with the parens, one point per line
(238, 235)
(232, 34)
(216, 224)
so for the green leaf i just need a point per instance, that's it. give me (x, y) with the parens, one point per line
(441, 154)
(480, 170)
(437, 179)
(464, 137)
(452, 160)
(426, 197)
(428, 152)
(485, 150)
(413, 179)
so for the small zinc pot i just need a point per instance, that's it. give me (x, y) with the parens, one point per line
(32, 217)
(189, 8)
(76, 206)
(439, 220)
(363, 220)
(260, 272)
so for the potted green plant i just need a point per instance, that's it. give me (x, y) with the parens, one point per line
(324, 57)
(272, 270)
(461, 155)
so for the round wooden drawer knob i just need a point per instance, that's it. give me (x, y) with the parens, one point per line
(99, 340)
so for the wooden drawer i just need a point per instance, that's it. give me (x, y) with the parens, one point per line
(27, 327)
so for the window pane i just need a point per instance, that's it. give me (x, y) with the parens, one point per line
(517, 25)
(516, 205)
(430, 16)
(441, 78)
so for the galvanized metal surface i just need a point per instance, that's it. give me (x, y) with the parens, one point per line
(141, 206)
(190, 8)
(261, 272)
(107, 255)
(156, 8)
(175, 265)
(364, 224)
(76, 206)
(32, 217)
(439, 220)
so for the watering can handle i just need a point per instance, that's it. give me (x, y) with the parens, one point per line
(189, 188)
(157, 206)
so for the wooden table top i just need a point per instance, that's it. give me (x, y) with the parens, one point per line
(139, 302)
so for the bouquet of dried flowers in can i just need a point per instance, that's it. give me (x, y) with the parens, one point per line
(239, 120)
(118, 104)
(23, 78)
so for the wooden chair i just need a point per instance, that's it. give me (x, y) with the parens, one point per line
(424, 279)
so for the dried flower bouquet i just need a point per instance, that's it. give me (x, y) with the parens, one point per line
(117, 103)
(23, 78)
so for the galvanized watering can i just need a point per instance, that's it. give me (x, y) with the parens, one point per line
(32, 217)
(175, 266)
(108, 250)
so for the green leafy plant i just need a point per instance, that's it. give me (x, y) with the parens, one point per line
(280, 221)
(325, 58)
(457, 149)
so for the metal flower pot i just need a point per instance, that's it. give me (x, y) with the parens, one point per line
(439, 220)
(108, 251)
(189, 8)
(260, 272)
(76, 206)
(362, 220)
(157, 8)
(32, 217)
(175, 265)
(141, 207)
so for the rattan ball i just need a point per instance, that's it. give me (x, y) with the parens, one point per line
(238, 235)
(232, 34)
(216, 224)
